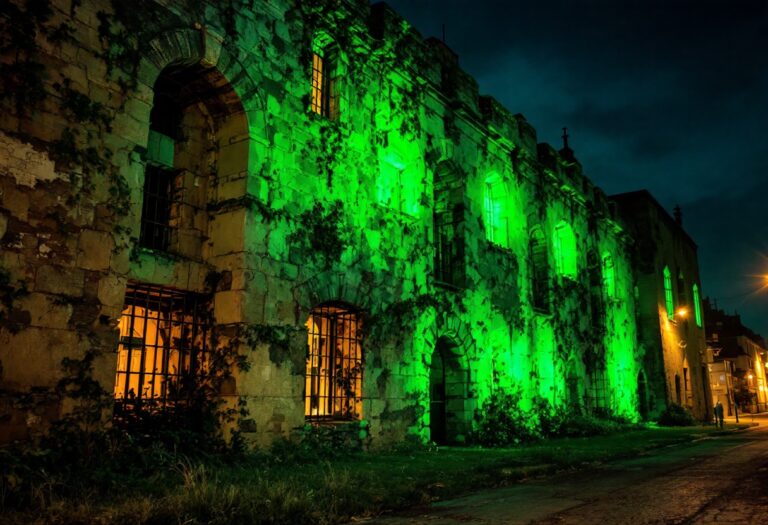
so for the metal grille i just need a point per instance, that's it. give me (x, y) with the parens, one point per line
(449, 250)
(540, 272)
(159, 199)
(334, 381)
(324, 100)
(163, 350)
(597, 399)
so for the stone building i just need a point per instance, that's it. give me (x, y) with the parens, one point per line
(737, 372)
(307, 212)
(669, 313)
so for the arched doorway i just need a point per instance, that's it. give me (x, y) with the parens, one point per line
(642, 396)
(449, 409)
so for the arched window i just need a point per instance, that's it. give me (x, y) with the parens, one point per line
(697, 304)
(565, 251)
(539, 271)
(609, 275)
(326, 73)
(494, 211)
(669, 300)
(334, 380)
(196, 125)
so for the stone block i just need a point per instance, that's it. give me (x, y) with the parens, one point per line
(111, 291)
(94, 250)
(45, 311)
(228, 306)
(60, 280)
(227, 232)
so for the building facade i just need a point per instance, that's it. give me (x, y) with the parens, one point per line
(307, 213)
(669, 309)
(737, 372)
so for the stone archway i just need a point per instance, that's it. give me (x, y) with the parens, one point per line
(449, 395)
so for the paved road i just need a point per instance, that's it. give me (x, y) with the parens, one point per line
(718, 480)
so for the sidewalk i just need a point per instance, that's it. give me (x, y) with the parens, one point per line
(760, 418)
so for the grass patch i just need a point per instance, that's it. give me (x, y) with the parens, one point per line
(262, 488)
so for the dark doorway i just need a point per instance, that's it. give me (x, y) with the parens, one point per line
(437, 430)
(448, 394)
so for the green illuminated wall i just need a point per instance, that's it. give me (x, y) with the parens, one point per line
(408, 118)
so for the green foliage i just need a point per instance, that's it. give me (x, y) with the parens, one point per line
(321, 234)
(502, 422)
(23, 75)
(676, 416)
(313, 443)
(136, 479)
(81, 107)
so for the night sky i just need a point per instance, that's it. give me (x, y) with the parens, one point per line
(671, 96)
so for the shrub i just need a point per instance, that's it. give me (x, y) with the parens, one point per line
(320, 442)
(502, 422)
(676, 416)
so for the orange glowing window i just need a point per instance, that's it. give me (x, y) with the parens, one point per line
(334, 380)
(163, 348)
(324, 98)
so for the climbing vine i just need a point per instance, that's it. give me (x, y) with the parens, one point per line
(321, 234)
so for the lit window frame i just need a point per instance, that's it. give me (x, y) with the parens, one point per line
(669, 299)
(170, 333)
(697, 304)
(324, 85)
(334, 393)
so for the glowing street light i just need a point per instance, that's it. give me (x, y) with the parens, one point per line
(682, 313)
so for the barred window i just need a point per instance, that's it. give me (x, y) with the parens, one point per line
(598, 392)
(163, 348)
(334, 380)
(160, 198)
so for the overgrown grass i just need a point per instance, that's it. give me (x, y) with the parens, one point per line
(267, 488)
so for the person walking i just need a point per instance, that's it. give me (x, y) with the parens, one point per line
(719, 414)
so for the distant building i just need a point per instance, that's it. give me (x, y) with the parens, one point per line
(737, 373)
(668, 305)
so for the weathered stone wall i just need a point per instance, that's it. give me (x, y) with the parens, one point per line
(677, 346)
(412, 131)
